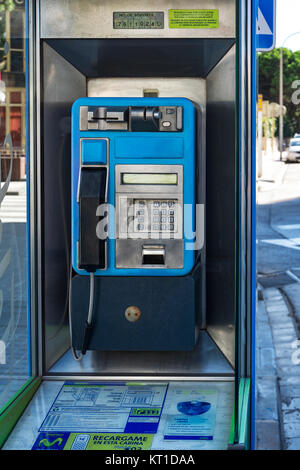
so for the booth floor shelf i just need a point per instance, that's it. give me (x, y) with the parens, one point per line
(25, 432)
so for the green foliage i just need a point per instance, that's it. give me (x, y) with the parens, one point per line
(269, 84)
(2, 38)
(269, 126)
(7, 5)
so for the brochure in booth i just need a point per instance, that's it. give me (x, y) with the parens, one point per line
(191, 413)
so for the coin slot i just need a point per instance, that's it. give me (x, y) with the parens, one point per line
(153, 255)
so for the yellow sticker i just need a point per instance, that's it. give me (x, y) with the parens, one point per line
(197, 19)
(109, 441)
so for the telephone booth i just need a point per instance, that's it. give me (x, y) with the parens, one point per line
(155, 105)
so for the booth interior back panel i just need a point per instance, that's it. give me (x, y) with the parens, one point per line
(221, 204)
(63, 83)
(57, 98)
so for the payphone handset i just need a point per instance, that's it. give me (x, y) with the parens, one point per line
(133, 176)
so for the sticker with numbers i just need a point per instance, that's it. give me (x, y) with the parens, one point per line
(138, 20)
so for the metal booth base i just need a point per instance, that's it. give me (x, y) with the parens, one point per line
(205, 360)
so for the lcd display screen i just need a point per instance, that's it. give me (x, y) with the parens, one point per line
(149, 178)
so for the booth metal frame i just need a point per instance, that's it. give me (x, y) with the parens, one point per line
(242, 431)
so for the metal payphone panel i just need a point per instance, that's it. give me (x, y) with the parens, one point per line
(149, 213)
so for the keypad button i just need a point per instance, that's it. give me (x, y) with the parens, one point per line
(155, 211)
(163, 204)
(171, 212)
(140, 219)
(171, 227)
(164, 211)
(171, 203)
(163, 227)
(155, 219)
(163, 220)
(140, 212)
(141, 203)
(140, 227)
(171, 219)
(155, 227)
(156, 204)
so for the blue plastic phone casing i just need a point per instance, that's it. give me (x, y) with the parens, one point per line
(125, 147)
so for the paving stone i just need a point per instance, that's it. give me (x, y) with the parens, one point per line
(277, 320)
(285, 362)
(285, 372)
(281, 322)
(278, 317)
(276, 305)
(279, 314)
(283, 351)
(285, 339)
(293, 293)
(272, 292)
(291, 429)
(265, 338)
(267, 435)
(290, 380)
(262, 318)
(291, 407)
(279, 308)
(292, 444)
(284, 355)
(288, 391)
(284, 345)
(291, 417)
(266, 398)
(279, 332)
(266, 358)
(271, 298)
(284, 359)
(287, 328)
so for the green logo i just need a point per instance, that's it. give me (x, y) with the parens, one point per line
(145, 412)
(46, 443)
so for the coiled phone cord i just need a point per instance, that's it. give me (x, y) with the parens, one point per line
(88, 324)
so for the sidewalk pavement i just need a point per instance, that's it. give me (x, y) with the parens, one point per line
(273, 170)
(267, 418)
(278, 368)
(277, 343)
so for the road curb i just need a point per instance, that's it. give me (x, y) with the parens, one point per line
(267, 422)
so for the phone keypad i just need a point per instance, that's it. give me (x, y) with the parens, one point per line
(155, 215)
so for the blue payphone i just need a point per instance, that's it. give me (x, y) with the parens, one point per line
(133, 219)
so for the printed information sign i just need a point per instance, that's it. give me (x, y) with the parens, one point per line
(106, 408)
(92, 441)
(197, 19)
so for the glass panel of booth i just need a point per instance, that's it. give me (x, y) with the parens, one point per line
(14, 356)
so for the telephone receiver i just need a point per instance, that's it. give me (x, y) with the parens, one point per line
(91, 194)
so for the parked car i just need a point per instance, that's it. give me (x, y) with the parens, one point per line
(296, 136)
(293, 153)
